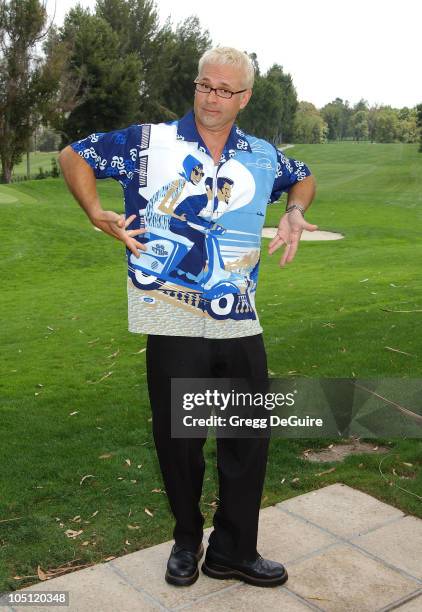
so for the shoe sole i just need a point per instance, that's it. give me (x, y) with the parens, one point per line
(182, 581)
(185, 580)
(224, 573)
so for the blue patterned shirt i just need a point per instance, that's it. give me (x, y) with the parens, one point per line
(199, 274)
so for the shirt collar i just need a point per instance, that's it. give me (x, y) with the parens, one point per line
(187, 130)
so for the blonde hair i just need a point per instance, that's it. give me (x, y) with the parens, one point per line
(232, 57)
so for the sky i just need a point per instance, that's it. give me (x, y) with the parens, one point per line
(332, 48)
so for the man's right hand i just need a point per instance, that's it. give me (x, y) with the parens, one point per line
(80, 179)
(115, 225)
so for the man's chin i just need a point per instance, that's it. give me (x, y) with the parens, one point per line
(208, 116)
(210, 120)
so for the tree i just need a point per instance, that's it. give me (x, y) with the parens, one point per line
(337, 115)
(136, 23)
(27, 81)
(271, 112)
(407, 130)
(48, 140)
(362, 105)
(372, 122)
(359, 125)
(108, 94)
(189, 43)
(168, 58)
(263, 115)
(386, 125)
(288, 102)
(254, 59)
(67, 96)
(309, 126)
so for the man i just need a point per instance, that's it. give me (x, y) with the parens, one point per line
(218, 205)
(210, 329)
(224, 191)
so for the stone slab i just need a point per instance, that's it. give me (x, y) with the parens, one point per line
(342, 579)
(342, 510)
(399, 543)
(93, 588)
(248, 598)
(146, 570)
(284, 538)
(414, 605)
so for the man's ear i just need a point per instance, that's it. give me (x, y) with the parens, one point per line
(246, 96)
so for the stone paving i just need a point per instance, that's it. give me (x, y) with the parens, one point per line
(344, 551)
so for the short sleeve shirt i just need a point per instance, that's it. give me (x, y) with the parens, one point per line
(199, 274)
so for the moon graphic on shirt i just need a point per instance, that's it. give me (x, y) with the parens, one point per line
(243, 189)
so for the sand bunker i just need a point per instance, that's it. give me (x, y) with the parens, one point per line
(270, 232)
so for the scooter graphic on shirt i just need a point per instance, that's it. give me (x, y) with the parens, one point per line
(220, 291)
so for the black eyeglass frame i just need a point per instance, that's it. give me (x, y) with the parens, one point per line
(217, 89)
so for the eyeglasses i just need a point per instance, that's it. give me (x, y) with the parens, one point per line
(221, 93)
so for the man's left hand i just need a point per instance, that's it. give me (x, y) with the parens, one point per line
(289, 232)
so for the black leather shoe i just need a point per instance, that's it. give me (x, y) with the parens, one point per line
(260, 572)
(182, 566)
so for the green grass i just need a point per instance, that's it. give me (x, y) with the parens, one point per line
(65, 329)
(373, 195)
(37, 160)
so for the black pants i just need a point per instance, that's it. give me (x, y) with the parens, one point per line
(241, 462)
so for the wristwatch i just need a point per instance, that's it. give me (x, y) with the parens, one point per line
(290, 207)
